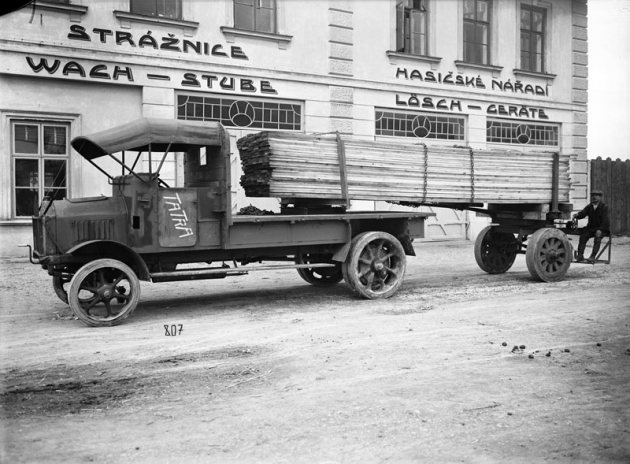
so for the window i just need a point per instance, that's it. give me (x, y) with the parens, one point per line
(517, 133)
(255, 15)
(411, 27)
(477, 31)
(532, 39)
(233, 112)
(419, 125)
(159, 8)
(40, 164)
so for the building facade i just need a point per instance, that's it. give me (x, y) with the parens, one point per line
(508, 74)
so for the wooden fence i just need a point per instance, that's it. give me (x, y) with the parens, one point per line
(613, 178)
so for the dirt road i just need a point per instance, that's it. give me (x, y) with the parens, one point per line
(459, 366)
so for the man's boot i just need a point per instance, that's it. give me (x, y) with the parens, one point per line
(580, 252)
(593, 256)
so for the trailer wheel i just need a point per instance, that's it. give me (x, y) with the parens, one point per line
(319, 276)
(495, 252)
(376, 265)
(548, 255)
(104, 292)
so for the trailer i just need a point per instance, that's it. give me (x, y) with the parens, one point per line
(526, 195)
(97, 249)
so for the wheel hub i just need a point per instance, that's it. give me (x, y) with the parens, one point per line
(552, 255)
(378, 265)
(107, 293)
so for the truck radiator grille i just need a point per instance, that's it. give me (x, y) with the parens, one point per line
(102, 229)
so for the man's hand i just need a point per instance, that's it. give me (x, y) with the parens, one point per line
(599, 234)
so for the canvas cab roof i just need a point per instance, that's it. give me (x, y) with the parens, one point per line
(158, 135)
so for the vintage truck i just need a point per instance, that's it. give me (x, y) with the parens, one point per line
(97, 249)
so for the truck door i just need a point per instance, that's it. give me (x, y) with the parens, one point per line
(177, 217)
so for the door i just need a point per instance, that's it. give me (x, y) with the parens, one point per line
(177, 217)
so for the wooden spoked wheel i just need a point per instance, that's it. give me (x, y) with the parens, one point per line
(104, 292)
(495, 252)
(319, 276)
(376, 265)
(548, 255)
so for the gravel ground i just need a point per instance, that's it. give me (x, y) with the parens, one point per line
(458, 366)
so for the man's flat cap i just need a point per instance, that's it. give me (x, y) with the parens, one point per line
(596, 192)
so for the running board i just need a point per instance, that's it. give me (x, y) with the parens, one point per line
(221, 273)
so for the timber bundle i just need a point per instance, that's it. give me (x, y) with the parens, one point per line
(299, 166)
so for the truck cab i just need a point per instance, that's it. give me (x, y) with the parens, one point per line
(98, 249)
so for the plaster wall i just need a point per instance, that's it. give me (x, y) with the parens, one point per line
(332, 56)
(88, 107)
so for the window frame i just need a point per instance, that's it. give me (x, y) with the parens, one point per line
(41, 159)
(404, 43)
(543, 38)
(179, 6)
(433, 118)
(513, 129)
(256, 16)
(205, 107)
(476, 22)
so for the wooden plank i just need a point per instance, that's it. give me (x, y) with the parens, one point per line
(297, 165)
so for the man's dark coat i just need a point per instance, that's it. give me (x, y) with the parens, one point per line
(598, 219)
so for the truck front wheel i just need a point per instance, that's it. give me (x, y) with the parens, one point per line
(376, 265)
(104, 292)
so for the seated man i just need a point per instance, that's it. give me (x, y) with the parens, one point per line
(598, 225)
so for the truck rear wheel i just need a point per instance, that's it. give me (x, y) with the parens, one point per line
(104, 292)
(495, 252)
(376, 265)
(548, 255)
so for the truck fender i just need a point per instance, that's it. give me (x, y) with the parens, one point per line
(114, 250)
(342, 253)
(405, 241)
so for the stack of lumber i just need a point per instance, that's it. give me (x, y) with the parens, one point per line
(299, 166)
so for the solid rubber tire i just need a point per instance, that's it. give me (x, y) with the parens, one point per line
(539, 245)
(482, 249)
(360, 243)
(85, 271)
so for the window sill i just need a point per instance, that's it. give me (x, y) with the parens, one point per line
(231, 33)
(17, 222)
(76, 12)
(127, 18)
(395, 57)
(495, 70)
(523, 72)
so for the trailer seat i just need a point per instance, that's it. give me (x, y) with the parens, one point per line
(606, 247)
